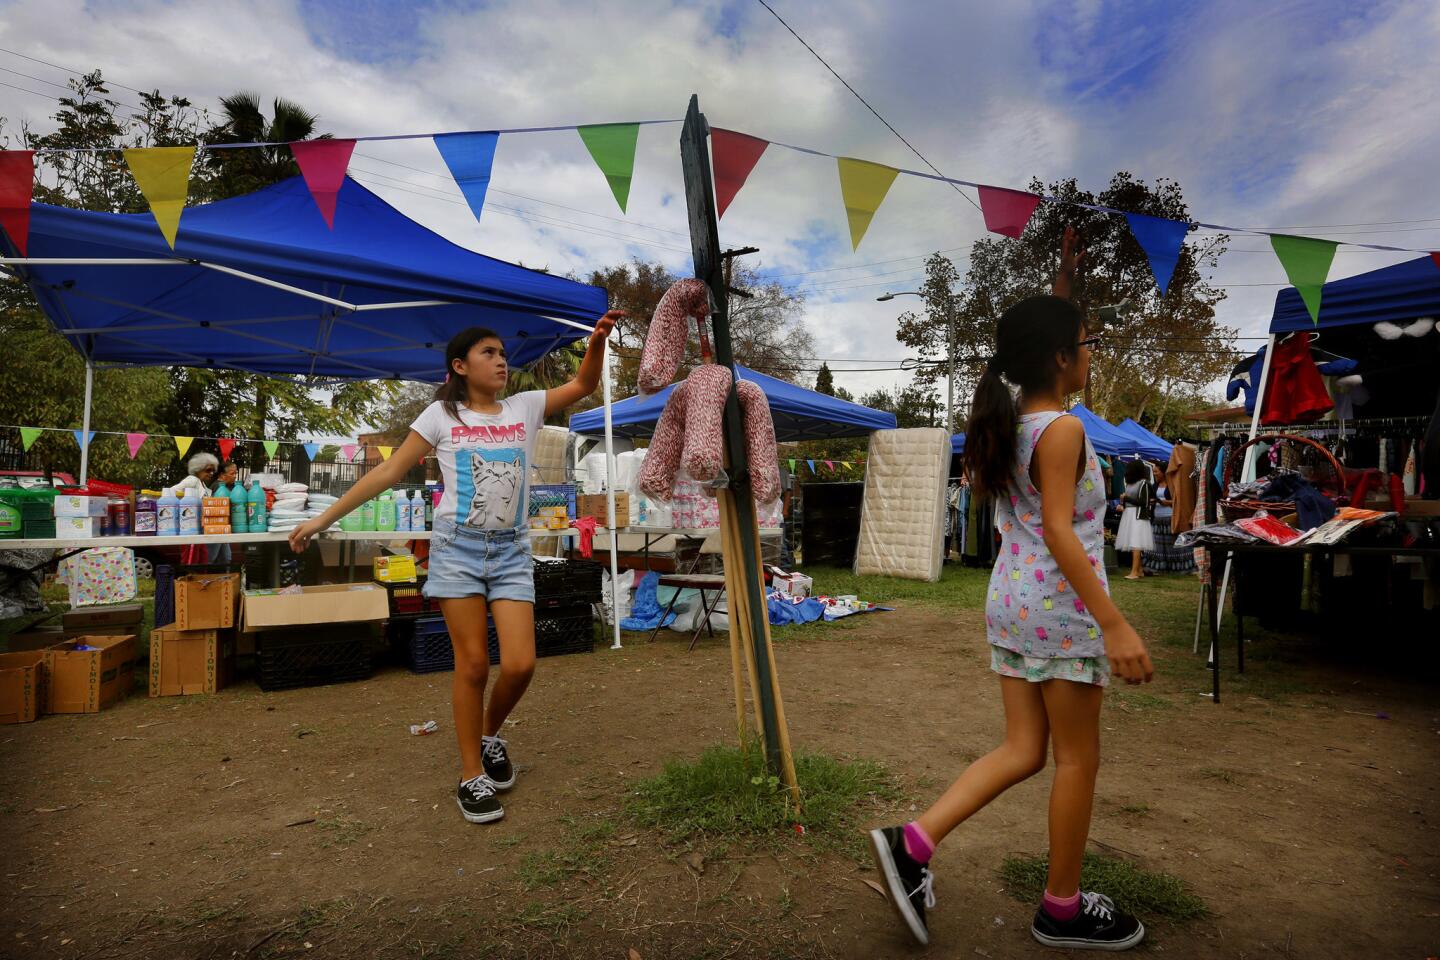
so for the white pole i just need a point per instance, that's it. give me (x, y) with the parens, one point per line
(610, 474)
(85, 424)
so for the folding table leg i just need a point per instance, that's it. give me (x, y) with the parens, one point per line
(661, 625)
(706, 609)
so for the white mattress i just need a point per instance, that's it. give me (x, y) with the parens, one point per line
(550, 455)
(902, 531)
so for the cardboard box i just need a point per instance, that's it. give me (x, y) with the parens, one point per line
(37, 638)
(90, 619)
(596, 505)
(22, 686)
(88, 681)
(215, 529)
(330, 603)
(68, 505)
(395, 569)
(77, 528)
(206, 601)
(183, 662)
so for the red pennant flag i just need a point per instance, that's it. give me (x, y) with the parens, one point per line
(831, 465)
(323, 163)
(1436, 258)
(1007, 211)
(17, 180)
(734, 155)
(226, 445)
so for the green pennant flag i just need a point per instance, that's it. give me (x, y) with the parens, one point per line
(1307, 264)
(792, 465)
(612, 147)
(270, 447)
(28, 435)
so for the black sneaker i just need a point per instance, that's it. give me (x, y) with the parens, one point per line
(477, 801)
(497, 763)
(1098, 926)
(910, 883)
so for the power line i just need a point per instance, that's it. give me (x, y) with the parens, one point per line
(864, 101)
(77, 73)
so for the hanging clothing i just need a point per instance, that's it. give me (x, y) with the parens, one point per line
(1298, 394)
(1135, 532)
(1180, 480)
(1204, 509)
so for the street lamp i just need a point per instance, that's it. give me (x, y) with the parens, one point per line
(949, 351)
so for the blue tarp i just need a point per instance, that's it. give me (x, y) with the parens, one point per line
(193, 315)
(1151, 445)
(1399, 294)
(957, 444)
(799, 414)
(1107, 439)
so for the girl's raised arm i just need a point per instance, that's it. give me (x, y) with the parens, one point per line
(588, 377)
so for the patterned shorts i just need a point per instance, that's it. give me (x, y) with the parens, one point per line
(1008, 663)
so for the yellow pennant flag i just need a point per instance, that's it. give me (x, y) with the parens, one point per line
(163, 175)
(183, 443)
(385, 452)
(863, 185)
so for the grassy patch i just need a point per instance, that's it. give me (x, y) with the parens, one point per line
(957, 587)
(1139, 702)
(1145, 893)
(728, 794)
(553, 920)
(1216, 773)
(1136, 809)
(583, 855)
(342, 831)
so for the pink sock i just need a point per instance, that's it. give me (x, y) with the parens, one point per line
(918, 844)
(1061, 908)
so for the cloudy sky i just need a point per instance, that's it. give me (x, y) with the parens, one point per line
(1298, 115)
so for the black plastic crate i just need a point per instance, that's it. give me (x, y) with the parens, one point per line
(429, 646)
(312, 657)
(565, 630)
(164, 594)
(567, 578)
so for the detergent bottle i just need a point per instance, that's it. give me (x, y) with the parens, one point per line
(385, 513)
(367, 515)
(417, 513)
(187, 512)
(255, 514)
(239, 508)
(167, 513)
(402, 512)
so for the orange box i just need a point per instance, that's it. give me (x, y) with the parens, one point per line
(216, 529)
(23, 692)
(190, 661)
(88, 681)
(206, 601)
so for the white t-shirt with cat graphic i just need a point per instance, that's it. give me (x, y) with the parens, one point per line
(485, 459)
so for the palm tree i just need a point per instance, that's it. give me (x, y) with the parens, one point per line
(243, 170)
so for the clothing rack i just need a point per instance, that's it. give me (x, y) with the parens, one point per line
(1366, 426)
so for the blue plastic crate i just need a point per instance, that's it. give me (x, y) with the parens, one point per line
(553, 495)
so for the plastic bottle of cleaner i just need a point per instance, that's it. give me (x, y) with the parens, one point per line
(367, 515)
(417, 512)
(431, 502)
(402, 512)
(255, 513)
(239, 508)
(187, 511)
(385, 513)
(167, 513)
(145, 518)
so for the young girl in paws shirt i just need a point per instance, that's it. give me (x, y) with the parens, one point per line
(480, 559)
(1055, 636)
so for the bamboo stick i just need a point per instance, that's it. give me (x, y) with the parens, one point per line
(727, 507)
(787, 758)
(740, 601)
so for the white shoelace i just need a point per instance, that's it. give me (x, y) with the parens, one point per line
(927, 886)
(480, 787)
(494, 749)
(1098, 905)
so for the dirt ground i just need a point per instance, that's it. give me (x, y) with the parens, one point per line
(161, 828)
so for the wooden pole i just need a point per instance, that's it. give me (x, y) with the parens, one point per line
(787, 758)
(737, 615)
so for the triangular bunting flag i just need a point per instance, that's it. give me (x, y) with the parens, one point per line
(469, 156)
(270, 447)
(385, 452)
(831, 465)
(163, 175)
(792, 466)
(28, 435)
(322, 163)
(226, 445)
(1436, 258)
(135, 441)
(612, 147)
(863, 186)
(733, 155)
(1161, 240)
(88, 439)
(17, 182)
(183, 444)
(1007, 211)
(347, 450)
(311, 449)
(1307, 263)
(812, 465)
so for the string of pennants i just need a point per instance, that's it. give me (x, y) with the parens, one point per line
(163, 173)
(349, 452)
(831, 465)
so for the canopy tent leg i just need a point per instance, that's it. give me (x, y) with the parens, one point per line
(85, 424)
(1247, 473)
(610, 476)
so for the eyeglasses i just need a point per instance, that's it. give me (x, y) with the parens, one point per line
(1092, 342)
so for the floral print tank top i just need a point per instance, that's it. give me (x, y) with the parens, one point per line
(1030, 608)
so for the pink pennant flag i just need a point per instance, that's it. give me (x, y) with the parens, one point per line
(831, 465)
(735, 155)
(17, 181)
(136, 441)
(1007, 211)
(322, 164)
(226, 445)
(347, 450)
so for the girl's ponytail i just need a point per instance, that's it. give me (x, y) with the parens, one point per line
(990, 436)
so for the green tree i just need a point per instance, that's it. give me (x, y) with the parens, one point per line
(825, 381)
(238, 171)
(1164, 348)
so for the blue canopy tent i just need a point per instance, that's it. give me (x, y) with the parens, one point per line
(1398, 293)
(1149, 445)
(799, 414)
(957, 444)
(1107, 439)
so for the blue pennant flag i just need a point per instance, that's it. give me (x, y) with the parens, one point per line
(86, 441)
(812, 465)
(469, 157)
(311, 449)
(1161, 240)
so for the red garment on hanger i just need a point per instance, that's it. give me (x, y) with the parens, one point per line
(1295, 393)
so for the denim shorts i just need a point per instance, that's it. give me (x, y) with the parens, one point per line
(471, 562)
